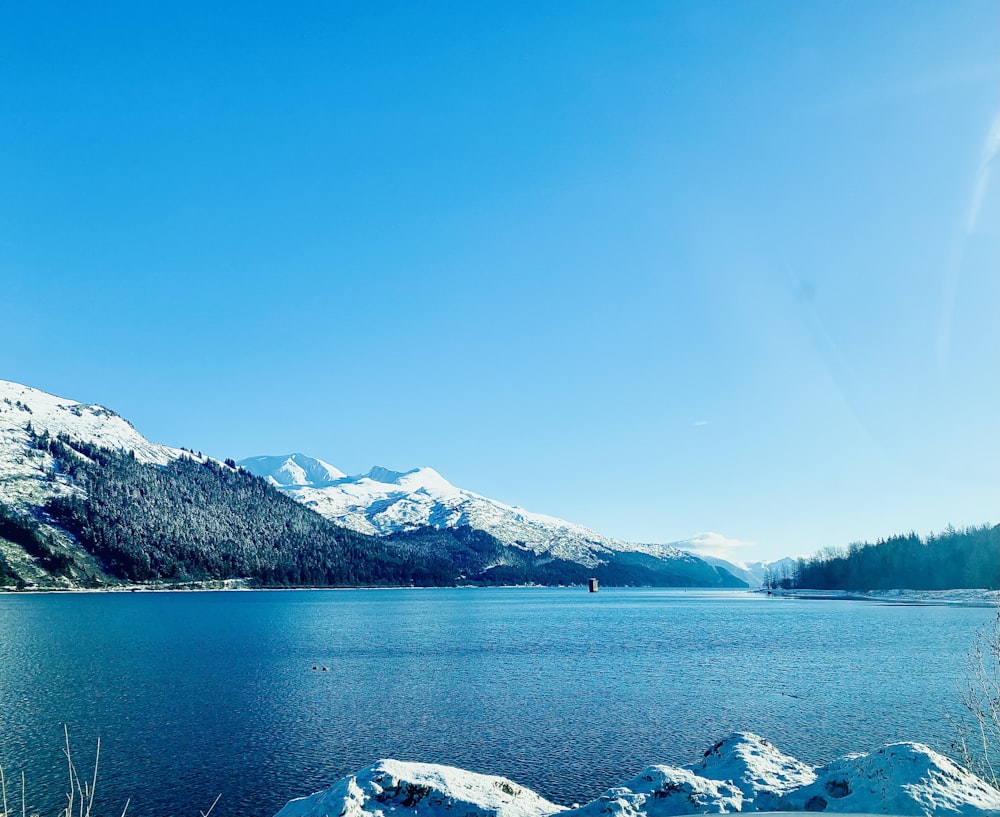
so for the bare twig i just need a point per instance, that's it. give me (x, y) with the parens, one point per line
(981, 699)
(205, 814)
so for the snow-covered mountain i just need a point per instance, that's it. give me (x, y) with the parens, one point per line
(34, 550)
(384, 502)
(81, 516)
(753, 573)
(25, 472)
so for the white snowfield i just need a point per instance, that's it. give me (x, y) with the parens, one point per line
(382, 502)
(743, 773)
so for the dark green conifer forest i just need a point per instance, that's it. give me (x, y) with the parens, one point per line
(192, 520)
(954, 558)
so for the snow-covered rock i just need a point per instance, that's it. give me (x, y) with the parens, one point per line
(902, 779)
(395, 787)
(761, 772)
(743, 773)
(664, 790)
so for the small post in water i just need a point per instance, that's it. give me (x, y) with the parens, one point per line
(593, 585)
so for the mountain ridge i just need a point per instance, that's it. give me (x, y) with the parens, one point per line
(87, 500)
(383, 502)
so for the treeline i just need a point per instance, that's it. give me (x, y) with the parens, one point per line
(191, 520)
(481, 558)
(955, 558)
(620, 570)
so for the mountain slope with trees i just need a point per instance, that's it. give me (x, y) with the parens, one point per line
(86, 500)
(197, 520)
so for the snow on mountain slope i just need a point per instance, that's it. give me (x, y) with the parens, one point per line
(753, 573)
(378, 502)
(382, 502)
(738, 571)
(294, 470)
(25, 471)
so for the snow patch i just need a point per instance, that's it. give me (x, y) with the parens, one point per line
(664, 790)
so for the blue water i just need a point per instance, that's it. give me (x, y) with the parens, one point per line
(196, 694)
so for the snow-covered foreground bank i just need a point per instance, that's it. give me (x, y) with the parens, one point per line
(743, 773)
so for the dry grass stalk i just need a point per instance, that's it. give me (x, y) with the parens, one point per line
(79, 798)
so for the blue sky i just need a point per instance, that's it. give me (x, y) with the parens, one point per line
(657, 268)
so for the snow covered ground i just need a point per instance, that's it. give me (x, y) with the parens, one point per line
(974, 597)
(743, 773)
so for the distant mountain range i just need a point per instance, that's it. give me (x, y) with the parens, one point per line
(86, 499)
(383, 502)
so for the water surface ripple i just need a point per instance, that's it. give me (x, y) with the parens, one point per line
(566, 692)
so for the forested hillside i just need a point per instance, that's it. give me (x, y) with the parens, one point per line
(105, 515)
(482, 557)
(969, 557)
(87, 501)
(204, 520)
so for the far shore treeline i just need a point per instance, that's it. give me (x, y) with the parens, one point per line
(968, 557)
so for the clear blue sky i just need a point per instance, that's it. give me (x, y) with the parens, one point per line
(658, 268)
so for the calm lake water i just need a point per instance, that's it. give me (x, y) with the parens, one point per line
(193, 694)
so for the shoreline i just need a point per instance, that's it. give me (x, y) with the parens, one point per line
(956, 597)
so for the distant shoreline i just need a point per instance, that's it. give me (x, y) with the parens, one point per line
(958, 597)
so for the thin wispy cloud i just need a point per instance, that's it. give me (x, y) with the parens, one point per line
(699, 423)
(981, 182)
(987, 161)
(710, 543)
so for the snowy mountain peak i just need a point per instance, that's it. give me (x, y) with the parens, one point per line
(384, 502)
(385, 475)
(293, 470)
(417, 478)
